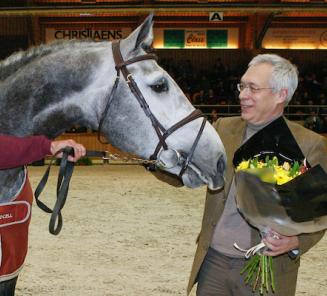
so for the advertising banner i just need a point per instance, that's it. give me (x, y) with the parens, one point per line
(296, 38)
(196, 38)
(95, 34)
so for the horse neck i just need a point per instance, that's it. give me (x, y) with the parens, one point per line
(49, 97)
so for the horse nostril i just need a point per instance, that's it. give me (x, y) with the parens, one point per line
(218, 180)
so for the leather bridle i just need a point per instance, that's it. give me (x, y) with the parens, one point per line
(66, 167)
(183, 159)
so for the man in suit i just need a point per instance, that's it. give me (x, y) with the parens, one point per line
(265, 88)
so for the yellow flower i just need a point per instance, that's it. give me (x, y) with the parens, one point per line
(271, 172)
(281, 176)
(243, 165)
(261, 165)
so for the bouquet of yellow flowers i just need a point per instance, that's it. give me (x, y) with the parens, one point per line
(270, 170)
(259, 269)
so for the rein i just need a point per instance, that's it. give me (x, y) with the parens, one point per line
(65, 173)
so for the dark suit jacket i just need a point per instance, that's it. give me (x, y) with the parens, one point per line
(231, 131)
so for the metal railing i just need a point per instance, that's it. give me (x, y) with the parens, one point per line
(299, 112)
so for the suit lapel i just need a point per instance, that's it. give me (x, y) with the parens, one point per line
(232, 142)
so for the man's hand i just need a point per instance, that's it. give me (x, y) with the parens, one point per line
(280, 244)
(79, 149)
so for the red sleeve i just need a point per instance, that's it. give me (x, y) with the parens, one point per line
(16, 151)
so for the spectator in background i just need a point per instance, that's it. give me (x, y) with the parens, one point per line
(219, 70)
(324, 124)
(212, 99)
(213, 116)
(310, 109)
(199, 98)
(323, 111)
(305, 97)
(313, 122)
(204, 82)
(312, 85)
(220, 89)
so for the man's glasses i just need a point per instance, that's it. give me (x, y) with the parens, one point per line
(252, 89)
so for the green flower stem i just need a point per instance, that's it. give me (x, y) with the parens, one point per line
(263, 274)
(267, 273)
(255, 283)
(250, 267)
(252, 270)
(272, 277)
(259, 273)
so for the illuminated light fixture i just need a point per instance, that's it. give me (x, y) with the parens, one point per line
(293, 46)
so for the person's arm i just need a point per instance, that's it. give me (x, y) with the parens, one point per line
(18, 151)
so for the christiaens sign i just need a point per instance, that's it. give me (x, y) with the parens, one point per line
(52, 34)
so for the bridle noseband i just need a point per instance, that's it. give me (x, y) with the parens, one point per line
(162, 133)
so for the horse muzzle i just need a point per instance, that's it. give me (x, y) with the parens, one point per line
(191, 174)
(196, 176)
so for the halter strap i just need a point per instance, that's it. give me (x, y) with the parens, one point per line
(121, 65)
(194, 115)
(148, 56)
(162, 133)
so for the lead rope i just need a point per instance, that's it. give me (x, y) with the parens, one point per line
(64, 176)
(65, 173)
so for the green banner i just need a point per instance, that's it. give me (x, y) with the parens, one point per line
(217, 38)
(174, 38)
(209, 38)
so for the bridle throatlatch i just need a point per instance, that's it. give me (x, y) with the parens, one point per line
(183, 159)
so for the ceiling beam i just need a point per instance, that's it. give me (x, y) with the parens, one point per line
(249, 8)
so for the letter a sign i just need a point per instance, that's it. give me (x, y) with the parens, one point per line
(215, 16)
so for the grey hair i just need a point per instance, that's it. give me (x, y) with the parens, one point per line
(284, 73)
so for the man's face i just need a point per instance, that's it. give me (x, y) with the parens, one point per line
(260, 103)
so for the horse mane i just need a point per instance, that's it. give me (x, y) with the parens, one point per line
(21, 58)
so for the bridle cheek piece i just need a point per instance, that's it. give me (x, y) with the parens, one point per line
(162, 133)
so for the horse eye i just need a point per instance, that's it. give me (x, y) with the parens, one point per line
(160, 86)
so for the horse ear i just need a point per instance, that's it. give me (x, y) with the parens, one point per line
(140, 38)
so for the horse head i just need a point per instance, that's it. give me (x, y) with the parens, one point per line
(150, 116)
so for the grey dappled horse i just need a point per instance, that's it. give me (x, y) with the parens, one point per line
(48, 89)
